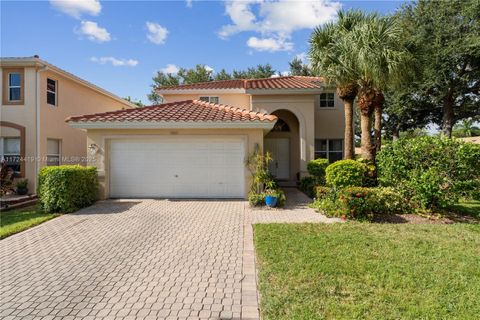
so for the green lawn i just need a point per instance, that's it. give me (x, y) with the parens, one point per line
(468, 207)
(18, 220)
(369, 271)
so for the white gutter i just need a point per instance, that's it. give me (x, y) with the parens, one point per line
(267, 125)
(199, 91)
(37, 117)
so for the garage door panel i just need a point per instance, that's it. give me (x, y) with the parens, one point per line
(182, 167)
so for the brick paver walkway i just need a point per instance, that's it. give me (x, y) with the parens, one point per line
(149, 259)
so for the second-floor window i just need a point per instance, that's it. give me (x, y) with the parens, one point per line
(51, 92)
(14, 86)
(327, 100)
(210, 99)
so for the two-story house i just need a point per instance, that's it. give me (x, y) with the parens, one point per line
(36, 97)
(196, 143)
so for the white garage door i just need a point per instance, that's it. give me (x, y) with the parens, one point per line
(180, 167)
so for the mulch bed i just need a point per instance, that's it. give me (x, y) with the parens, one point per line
(445, 218)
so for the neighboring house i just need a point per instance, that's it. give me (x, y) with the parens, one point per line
(36, 98)
(196, 143)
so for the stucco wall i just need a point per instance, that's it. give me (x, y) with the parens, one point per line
(303, 107)
(240, 100)
(72, 99)
(23, 115)
(329, 122)
(102, 137)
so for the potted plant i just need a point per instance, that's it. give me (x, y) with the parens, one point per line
(22, 187)
(271, 198)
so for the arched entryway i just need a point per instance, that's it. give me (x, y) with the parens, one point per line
(283, 143)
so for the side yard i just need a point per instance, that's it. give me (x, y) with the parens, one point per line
(14, 221)
(368, 271)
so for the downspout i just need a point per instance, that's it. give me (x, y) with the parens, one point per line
(37, 116)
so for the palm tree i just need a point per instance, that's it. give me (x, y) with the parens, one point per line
(332, 59)
(382, 62)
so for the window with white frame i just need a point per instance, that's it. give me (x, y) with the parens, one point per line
(327, 100)
(10, 152)
(14, 86)
(209, 99)
(51, 92)
(331, 149)
(53, 152)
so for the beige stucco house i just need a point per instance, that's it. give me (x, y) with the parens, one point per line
(194, 145)
(36, 97)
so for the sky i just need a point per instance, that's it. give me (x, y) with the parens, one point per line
(120, 45)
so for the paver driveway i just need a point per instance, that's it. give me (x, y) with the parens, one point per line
(130, 259)
(150, 259)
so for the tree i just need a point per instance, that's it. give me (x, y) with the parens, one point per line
(258, 72)
(200, 73)
(382, 62)
(222, 75)
(136, 102)
(298, 68)
(446, 35)
(466, 129)
(162, 80)
(332, 59)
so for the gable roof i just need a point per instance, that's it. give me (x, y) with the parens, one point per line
(35, 61)
(188, 111)
(244, 85)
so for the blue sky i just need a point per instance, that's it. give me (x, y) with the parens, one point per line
(119, 45)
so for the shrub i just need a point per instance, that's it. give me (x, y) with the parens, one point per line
(345, 173)
(359, 202)
(67, 188)
(256, 199)
(432, 172)
(316, 168)
(307, 186)
(322, 192)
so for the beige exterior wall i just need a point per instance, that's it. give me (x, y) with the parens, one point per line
(303, 107)
(240, 100)
(73, 98)
(329, 122)
(102, 138)
(23, 115)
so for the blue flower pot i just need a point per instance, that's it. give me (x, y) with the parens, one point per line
(271, 201)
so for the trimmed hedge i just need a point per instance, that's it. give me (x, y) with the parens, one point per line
(67, 188)
(345, 173)
(316, 168)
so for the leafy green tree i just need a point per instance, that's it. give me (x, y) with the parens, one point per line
(446, 39)
(258, 72)
(466, 128)
(136, 102)
(298, 68)
(222, 75)
(162, 79)
(200, 73)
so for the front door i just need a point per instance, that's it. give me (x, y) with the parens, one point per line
(279, 149)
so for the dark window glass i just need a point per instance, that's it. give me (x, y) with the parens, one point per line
(206, 99)
(327, 100)
(335, 156)
(335, 145)
(51, 92)
(214, 99)
(51, 98)
(281, 126)
(14, 80)
(14, 94)
(320, 145)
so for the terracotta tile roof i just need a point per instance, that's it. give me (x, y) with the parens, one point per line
(189, 110)
(289, 82)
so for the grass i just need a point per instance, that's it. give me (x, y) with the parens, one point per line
(368, 271)
(14, 221)
(468, 207)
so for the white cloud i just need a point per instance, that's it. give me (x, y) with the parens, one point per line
(189, 3)
(170, 68)
(302, 56)
(269, 44)
(156, 33)
(276, 19)
(208, 68)
(93, 32)
(115, 62)
(76, 8)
